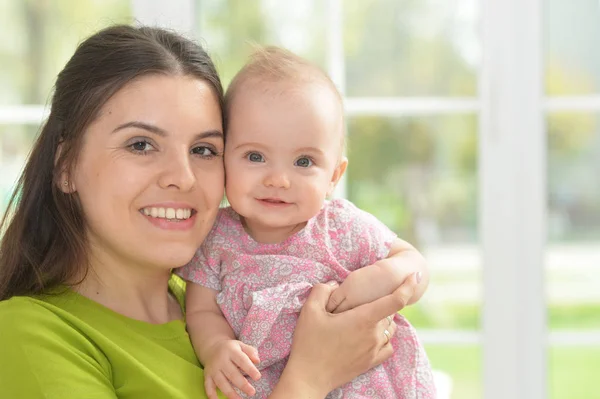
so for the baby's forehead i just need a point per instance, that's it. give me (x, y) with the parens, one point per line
(286, 100)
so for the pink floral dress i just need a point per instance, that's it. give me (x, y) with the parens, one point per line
(262, 288)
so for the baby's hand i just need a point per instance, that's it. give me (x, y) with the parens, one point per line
(225, 363)
(361, 286)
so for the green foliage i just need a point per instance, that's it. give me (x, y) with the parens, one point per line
(572, 371)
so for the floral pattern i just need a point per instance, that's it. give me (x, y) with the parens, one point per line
(262, 288)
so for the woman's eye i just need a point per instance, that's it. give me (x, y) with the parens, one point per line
(141, 146)
(203, 151)
(304, 162)
(255, 157)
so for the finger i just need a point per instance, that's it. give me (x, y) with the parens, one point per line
(210, 388)
(392, 328)
(238, 380)
(345, 305)
(225, 387)
(245, 364)
(336, 299)
(319, 295)
(377, 310)
(384, 354)
(251, 352)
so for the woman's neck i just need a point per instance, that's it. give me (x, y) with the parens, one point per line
(140, 293)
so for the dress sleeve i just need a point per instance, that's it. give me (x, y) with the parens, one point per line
(363, 239)
(40, 358)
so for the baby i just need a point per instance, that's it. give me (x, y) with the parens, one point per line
(280, 236)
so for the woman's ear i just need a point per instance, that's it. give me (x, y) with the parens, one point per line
(338, 172)
(64, 183)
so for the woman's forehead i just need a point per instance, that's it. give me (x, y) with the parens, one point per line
(170, 100)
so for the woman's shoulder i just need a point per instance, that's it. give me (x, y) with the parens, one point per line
(33, 320)
(42, 354)
(20, 312)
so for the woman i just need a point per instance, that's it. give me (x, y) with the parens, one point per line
(122, 186)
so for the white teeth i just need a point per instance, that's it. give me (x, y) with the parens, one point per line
(168, 213)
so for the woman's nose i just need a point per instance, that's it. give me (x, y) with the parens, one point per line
(178, 172)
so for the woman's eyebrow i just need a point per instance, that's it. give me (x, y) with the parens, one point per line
(162, 132)
(141, 125)
(210, 133)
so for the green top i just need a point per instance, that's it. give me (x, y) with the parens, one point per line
(68, 346)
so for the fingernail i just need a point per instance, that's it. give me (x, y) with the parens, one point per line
(332, 283)
(418, 277)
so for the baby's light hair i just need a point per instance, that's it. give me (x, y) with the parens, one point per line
(281, 70)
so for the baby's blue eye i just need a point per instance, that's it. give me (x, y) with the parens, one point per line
(255, 157)
(303, 162)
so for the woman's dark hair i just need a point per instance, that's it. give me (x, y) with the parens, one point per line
(44, 242)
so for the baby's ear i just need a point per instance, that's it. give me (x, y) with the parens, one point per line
(338, 172)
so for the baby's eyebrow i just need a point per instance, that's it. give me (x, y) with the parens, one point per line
(251, 144)
(311, 150)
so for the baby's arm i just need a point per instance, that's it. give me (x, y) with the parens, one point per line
(381, 278)
(216, 346)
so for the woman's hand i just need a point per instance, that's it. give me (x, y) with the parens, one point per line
(329, 350)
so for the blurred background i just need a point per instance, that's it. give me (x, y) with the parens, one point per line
(418, 78)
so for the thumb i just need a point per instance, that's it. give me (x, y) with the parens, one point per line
(320, 294)
(251, 352)
(337, 297)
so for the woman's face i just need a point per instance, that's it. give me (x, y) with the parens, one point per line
(150, 172)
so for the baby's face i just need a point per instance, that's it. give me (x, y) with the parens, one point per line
(283, 154)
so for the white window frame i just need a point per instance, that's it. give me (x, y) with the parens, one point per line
(512, 108)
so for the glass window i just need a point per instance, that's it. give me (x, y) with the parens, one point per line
(42, 37)
(573, 252)
(15, 144)
(411, 48)
(230, 28)
(457, 370)
(419, 176)
(572, 37)
(573, 372)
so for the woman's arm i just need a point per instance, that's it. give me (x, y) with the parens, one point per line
(329, 350)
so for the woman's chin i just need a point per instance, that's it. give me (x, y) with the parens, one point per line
(171, 259)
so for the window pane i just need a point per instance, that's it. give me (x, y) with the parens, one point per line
(15, 144)
(573, 373)
(572, 37)
(573, 253)
(42, 35)
(411, 48)
(457, 370)
(419, 176)
(228, 29)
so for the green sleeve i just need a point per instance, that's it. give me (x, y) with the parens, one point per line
(42, 357)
